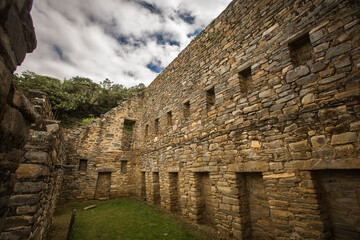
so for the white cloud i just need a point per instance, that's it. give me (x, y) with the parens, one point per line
(114, 39)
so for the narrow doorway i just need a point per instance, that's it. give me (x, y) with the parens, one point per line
(103, 185)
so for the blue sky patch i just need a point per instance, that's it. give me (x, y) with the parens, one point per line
(155, 66)
(165, 38)
(59, 52)
(187, 17)
(151, 7)
(195, 33)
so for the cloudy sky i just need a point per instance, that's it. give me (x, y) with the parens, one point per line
(127, 41)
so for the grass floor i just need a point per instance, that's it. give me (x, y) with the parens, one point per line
(123, 219)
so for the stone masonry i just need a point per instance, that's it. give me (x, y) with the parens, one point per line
(253, 129)
(39, 177)
(17, 37)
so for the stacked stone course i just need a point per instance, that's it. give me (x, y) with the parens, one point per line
(265, 158)
(17, 37)
(39, 177)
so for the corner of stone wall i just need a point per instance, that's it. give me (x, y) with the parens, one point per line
(17, 37)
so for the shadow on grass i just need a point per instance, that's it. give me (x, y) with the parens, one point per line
(124, 219)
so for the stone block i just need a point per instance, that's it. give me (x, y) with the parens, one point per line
(350, 93)
(318, 66)
(255, 144)
(332, 78)
(24, 106)
(276, 166)
(279, 175)
(19, 233)
(355, 126)
(344, 150)
(321, 47)
(291, 110)
(31, 171)
(28, 31)
(5, 81)
(8, 54)
(37, 157)
(318, 141)
(265, 94)
(315, 36)
(274, 144)
(28, 187)
(281, 214)
(306, 80)
(40, 137)
(11, 160)
(28, 209)
(14, 129)
(344, 138)
(18, 221)
(253, 108)
(308, 98)
(13, 28)
(25, 199)
(339, 49)
(296, 73)
(300, 155)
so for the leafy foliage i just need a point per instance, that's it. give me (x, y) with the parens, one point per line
(77, 98)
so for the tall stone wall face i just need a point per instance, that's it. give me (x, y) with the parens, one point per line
(39, 177)
(17, 37)
(248, 127)
(103, 147)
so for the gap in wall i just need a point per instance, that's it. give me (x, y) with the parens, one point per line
(205, 208)
(156, 188)
(174, 191)
(339, 197)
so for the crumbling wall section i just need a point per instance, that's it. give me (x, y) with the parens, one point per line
(38, 179)
(103, 147)
(17, 37)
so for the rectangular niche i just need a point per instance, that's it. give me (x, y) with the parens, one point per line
(339, 198)
(174, 191)
(245, 80)
(146, 130)
(156, 188)
(143, 186)
(254, 205)
(210, 98)
(301, 50)
(83, 165)
(169, 118)
(124, 166)
(205, 208)
(186, 110)
(156, 123)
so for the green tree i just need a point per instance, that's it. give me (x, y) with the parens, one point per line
(77, 98)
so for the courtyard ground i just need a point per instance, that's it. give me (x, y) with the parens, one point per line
(124, 219)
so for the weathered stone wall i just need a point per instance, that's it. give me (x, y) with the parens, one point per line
(39, 177)
(260, 102)
(17, 37)
(104, 147)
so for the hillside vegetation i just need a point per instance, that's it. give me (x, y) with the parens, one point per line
(77, 100)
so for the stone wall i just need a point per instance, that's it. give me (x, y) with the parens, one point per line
(256, 118)
(39, 177)
(17, 37)
(103, 146)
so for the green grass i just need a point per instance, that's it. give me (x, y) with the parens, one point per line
(85, 121)
(126, 219)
